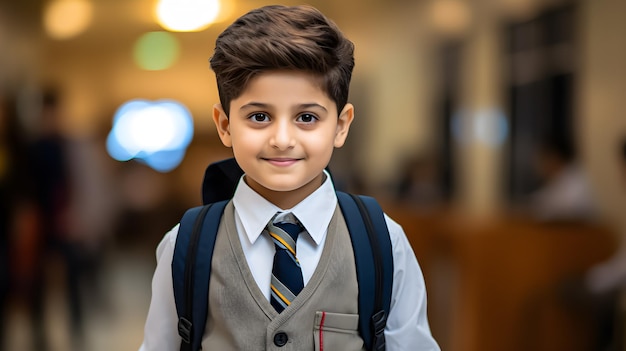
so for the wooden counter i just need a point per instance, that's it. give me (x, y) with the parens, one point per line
(504, 284)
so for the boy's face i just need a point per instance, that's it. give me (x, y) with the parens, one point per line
(283, 129)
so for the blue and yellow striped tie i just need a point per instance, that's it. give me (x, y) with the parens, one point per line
(286, 280)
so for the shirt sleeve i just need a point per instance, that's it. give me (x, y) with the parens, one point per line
(161, 329)
(407, 325)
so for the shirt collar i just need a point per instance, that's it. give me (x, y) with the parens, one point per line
(314, 212)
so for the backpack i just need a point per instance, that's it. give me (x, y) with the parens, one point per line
(191, 263)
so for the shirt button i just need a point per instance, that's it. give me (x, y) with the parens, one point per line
(280, 339)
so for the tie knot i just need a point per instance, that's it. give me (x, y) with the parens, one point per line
(285, 232)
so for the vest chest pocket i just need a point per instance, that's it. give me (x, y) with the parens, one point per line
(337, 332)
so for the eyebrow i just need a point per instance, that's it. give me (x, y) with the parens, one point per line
(262, 105)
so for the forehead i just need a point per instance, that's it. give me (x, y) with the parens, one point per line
(283, 87)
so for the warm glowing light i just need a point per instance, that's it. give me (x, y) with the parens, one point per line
(450, 17)
(155, 51)
(187, 15)
(64, 19)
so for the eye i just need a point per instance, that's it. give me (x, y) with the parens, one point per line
(307, 118)
(259, 117)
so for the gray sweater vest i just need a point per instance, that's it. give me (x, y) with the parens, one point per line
(324, 316)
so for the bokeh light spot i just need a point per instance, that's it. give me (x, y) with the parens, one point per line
(156, 133)
(155, 51)
(64, 19)
(186, 15)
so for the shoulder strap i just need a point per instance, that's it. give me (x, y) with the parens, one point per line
(190, 275)
(374, 264)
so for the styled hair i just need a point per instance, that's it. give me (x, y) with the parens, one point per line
(298, 38)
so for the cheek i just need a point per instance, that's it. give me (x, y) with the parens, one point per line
(245, 140)
(321, 147)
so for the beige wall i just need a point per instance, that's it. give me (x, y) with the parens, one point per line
(396, 62)
(602, 101)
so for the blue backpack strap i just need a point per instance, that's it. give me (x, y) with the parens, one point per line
(374, 264)
(191, 270)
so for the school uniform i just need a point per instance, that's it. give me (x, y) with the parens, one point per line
(240, 315)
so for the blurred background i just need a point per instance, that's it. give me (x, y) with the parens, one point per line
(492, 130)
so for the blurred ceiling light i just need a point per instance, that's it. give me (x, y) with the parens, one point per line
(155, 51)
(64, 19)
(450, 17)
(156, 133)
(186, 15)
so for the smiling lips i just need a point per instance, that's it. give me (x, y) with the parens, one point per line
(281, 162)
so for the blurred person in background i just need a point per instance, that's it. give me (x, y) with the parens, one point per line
(596, 293)
(418, 185)
(94, 211)
(5, 215)
(14, 188)
(53, 193)
(606, 281)
(564, 193)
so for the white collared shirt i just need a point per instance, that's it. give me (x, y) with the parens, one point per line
(407, 325)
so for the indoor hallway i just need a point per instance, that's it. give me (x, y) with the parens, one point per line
(113, 322)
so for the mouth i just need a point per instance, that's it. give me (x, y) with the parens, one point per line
(281, 161)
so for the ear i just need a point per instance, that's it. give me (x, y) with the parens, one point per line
(222, 125)
(343, 125)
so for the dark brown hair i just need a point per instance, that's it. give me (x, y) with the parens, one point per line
(280, 37)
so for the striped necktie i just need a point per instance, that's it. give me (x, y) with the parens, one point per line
(286, 280)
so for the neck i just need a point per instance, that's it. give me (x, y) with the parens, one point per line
(289, 199)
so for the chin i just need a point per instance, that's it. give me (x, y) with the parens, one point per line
(278, 183)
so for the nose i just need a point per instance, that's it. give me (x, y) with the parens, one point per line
(283, 135)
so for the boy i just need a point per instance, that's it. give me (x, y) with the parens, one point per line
(283, 75)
